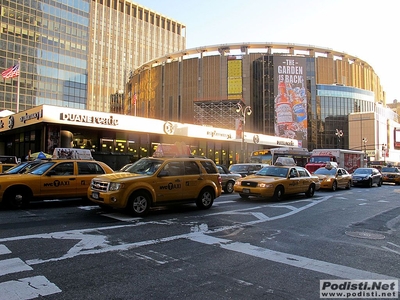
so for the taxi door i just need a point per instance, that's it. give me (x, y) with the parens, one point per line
(87, 170)
(169, 182)
(192, 180)
(305, 180)
(295, 184)
(341, 178)
(59, 181)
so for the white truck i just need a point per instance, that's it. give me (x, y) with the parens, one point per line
(347, 159)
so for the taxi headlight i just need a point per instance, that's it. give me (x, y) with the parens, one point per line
(265, 185)
(115, 186)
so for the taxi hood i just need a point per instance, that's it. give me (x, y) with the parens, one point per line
(116, 176)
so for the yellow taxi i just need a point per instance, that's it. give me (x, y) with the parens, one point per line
(332, 177)
(55, 178)
(276, 182)
(391, 174)
(158, 181)
(7, 162)
(5, 167)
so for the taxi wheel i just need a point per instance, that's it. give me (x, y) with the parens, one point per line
(348, 186)
(278, 194)
(139, 203)
(229, 187)
(334, 186)
(17, 197)
(205, 199)
(311, 190)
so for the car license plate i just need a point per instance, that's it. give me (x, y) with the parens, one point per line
(355, 181)
(246, 191)
(95, 195)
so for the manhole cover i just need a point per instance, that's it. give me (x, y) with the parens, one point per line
(365, 235)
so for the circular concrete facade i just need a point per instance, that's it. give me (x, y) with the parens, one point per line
(295, 91)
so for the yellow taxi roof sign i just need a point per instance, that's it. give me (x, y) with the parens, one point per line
(330, 165)
(72, 153)
(172, 150)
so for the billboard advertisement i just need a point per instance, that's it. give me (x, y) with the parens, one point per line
(397, 138)
(290, 98)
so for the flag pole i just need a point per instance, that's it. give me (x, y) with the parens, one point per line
(19, 75)
(135, 99)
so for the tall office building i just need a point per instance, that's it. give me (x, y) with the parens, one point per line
(77, 53)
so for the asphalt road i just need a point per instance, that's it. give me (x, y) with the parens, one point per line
(238, 249)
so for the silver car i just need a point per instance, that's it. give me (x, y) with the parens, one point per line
(228, 178)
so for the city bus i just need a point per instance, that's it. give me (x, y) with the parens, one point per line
(300, 155)
(269, 156)
(263, 156)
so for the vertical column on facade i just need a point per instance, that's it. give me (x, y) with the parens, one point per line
(223, 91)
(200, 76)
(330, 56)
(246, 81)
(179, 92)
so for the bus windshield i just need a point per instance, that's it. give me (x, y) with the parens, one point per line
(261, 156)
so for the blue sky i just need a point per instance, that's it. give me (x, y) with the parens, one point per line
(364, 28)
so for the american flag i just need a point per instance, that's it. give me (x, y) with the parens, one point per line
(11, 72)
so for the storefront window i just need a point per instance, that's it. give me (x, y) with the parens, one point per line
(120, 146)
(107, 145)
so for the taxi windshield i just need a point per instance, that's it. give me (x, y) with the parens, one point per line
(16, 169)
(273, 171)
(325, 171)
(145, 166)
(42, 168)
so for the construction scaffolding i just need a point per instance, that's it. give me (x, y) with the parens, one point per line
(216, 113)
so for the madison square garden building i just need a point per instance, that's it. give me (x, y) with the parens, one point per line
(294, 91)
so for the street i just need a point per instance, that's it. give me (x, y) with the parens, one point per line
(238, 249)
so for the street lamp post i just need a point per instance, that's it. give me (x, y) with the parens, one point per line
(365, 148)
(384, 149)
(243, 110)
(339, 134)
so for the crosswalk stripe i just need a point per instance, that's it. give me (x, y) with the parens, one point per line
(4, 250)
(13, 265)
(27, 288)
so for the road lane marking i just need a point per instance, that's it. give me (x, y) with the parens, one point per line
(339, 271)
(27, 288)
(4, 250)
(95, 243)
(13, 265)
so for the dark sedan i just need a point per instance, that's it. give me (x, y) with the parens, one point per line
(366, 177)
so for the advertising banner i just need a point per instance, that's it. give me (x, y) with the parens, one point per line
(290, 98)
(397, 138)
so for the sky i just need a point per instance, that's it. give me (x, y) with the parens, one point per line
(366, 29)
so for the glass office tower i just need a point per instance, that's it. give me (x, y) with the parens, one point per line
(78, 53)
(50, 38)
